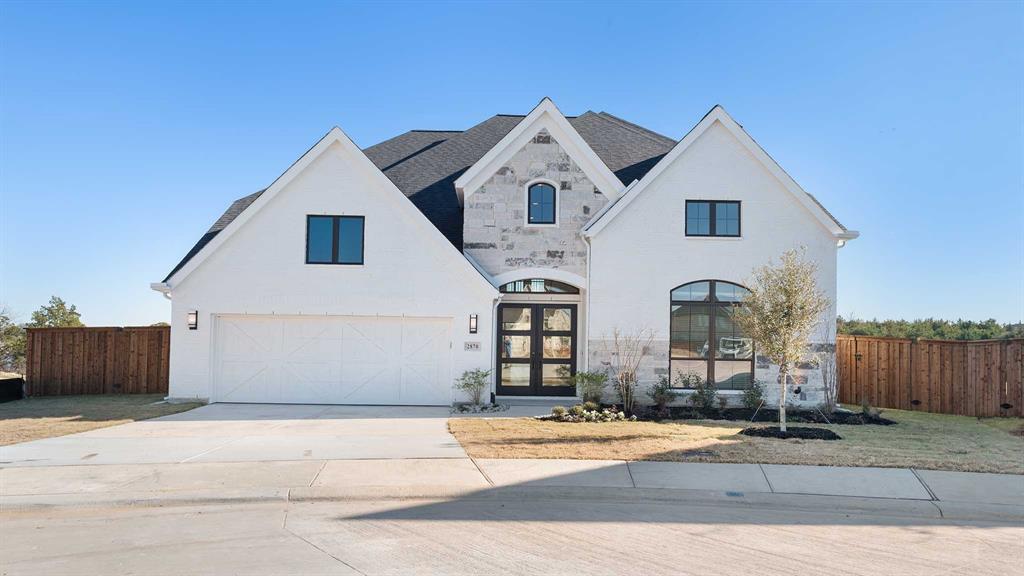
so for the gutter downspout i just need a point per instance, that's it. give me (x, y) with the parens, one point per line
(586, 336)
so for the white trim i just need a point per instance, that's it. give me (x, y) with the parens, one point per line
(719, 115)
(359, 159)
(545, 116)
(472, 262)
(546, 273)
(526, 203)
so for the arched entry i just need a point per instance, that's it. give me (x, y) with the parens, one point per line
(537, 339)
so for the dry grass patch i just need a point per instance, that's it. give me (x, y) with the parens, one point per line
(46, 417)
(920, 440)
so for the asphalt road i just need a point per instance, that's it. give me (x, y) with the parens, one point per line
(498, 536)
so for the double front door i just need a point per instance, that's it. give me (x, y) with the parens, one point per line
(536, 349)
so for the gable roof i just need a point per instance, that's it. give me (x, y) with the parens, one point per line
(244, 209)
(545, 116)
(424, 165)
(718, 115)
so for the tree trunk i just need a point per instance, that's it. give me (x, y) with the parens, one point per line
(783, 373)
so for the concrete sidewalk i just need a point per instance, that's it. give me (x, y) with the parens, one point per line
(89, 485)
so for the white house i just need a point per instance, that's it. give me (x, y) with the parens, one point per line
(378, 276)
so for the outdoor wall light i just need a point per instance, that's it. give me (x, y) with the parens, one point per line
(472, 323)
(193, 319)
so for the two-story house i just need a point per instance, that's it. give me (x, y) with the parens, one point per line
(520, 245)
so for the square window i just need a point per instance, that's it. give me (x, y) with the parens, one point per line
(334, 239)
(711, 218)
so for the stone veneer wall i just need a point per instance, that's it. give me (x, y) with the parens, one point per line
(495, 233)
(655, 365)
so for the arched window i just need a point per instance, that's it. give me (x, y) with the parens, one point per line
(704, 339)
(540, 203)
(538, 286)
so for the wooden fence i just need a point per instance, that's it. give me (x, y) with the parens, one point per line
(971, 378)
(132, 360)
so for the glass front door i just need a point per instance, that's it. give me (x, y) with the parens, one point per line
(536, 349)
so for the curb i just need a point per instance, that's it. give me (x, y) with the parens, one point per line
(847, 505)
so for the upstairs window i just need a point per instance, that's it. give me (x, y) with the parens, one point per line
(712, 218)
(541, 204)
(334, 239)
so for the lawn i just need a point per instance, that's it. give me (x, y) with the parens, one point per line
(918, 440)
(46, 417)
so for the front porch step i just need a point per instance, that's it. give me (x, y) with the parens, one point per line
(538, 400)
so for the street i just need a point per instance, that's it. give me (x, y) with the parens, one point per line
(499, 536)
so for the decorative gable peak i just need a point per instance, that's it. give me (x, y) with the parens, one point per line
(544, 121)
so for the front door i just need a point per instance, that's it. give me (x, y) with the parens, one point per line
(536, 349)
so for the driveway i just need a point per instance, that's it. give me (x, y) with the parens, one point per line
(252, 432)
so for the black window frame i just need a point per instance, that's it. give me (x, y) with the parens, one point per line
(712, 207)
(335, 232)
(713, 304)
(554, 204)
(550, 287)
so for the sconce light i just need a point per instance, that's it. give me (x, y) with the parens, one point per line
(193, 319)
(472, 323)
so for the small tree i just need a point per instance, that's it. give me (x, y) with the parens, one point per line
(781, 312)
(628, 350)
(56, 314)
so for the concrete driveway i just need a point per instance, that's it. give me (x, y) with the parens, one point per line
(252, 432)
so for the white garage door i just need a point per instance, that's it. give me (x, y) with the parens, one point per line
(332, 360)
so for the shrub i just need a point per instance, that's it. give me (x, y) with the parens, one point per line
(753, 395)
(662, 395)
(473, 382)
(591, 406)
(868, 410)
(704, 395)
(578, 413)
(590, 385)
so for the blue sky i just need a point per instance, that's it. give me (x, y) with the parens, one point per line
(125, 130)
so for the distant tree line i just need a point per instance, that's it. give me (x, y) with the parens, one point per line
(930, 328)
(55, 314)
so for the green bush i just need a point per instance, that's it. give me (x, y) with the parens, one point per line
(661, 393)
(473, 382)
(591, 406)
(579, 413)
(590, 386)
(704, 395)
(753, 395)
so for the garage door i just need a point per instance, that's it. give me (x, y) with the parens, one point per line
(332, 360)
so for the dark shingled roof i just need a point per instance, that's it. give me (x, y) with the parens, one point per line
(424, 164)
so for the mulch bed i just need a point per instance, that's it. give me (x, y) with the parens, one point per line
(802, 432)
(769, 415)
